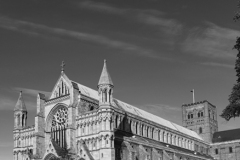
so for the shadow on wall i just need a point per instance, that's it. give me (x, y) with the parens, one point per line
(123, 128)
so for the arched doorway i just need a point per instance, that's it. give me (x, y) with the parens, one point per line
(51, 156)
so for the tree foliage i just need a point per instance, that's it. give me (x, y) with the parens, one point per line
(233, 108)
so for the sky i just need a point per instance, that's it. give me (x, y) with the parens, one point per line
(156, 51)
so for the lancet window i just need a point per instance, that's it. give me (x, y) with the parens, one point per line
(61, 90)
(59, 124)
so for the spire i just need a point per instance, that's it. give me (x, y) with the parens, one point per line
(20, 105)
(105, 76)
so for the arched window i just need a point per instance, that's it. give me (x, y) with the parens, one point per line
(142, 130)
(200, 130)
(188, 116)
(116, 122)
(59, 121)
(201, 114)
(191, 115)
(136, 128)
(91, 108)
(147, 131)
(23, 120)
(106, 96)
(18, 119)
(152, 133)
(109, 95)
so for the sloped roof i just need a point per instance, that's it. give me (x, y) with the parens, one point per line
(59, 150)
(105, 76)
(228, 135)
(20, 105)
(136, 111)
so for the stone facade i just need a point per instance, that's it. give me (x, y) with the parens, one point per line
(79, 123)
(201, 117)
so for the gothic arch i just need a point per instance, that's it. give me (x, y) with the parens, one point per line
(51, 114)
(51, 156)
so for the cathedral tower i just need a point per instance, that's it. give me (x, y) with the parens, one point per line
(200, 117)
(105, 87)
(105, 91)
(20, 113)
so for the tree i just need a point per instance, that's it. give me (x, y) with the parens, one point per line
(233, 109)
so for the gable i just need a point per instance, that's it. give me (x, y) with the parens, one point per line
(62, 87)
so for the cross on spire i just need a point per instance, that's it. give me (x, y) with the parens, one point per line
(62, 65)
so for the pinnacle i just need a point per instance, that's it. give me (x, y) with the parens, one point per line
(20, 105)
(105, 77)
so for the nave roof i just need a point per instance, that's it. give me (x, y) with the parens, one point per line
(139, 112)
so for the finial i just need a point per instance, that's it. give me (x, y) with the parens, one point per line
(62, 65)
(105, 61)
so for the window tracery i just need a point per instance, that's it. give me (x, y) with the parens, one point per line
(60, 117)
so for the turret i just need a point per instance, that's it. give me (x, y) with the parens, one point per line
(20, 113)
(105, 87)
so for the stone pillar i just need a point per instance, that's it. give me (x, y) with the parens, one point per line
(38, 140)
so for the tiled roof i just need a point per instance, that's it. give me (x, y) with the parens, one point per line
(138, 112)
(59, 150)
(228, 135)
(186, 151)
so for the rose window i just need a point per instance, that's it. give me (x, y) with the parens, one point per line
(60, 117)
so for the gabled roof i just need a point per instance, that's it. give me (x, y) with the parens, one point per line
(20, 105)
(59, 150)
(105, 76)
(228, 135)
(138, 112)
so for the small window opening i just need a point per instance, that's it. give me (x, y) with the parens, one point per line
(200, 130)
(216, 151)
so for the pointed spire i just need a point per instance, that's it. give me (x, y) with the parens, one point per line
(105, 76)
(20, 105)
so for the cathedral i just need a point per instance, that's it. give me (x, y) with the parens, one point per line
(79, 123)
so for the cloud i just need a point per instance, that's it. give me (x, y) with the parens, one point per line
(214, 64)
(167, 26)
(153, 18)
(7, 103)
(29, 97)
(103, 7)
(168, 112)
(212, 42)
(31, 92)
(46, 31)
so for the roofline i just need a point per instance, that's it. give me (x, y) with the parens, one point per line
(199, 102)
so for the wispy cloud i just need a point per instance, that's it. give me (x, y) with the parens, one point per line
(31, 92)
(102, 7)
(29, 96)
(214, 64)
(166, 26)
(212, 42)
(153, 18)
(171, 113)
(43, 30)
(7, 103)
